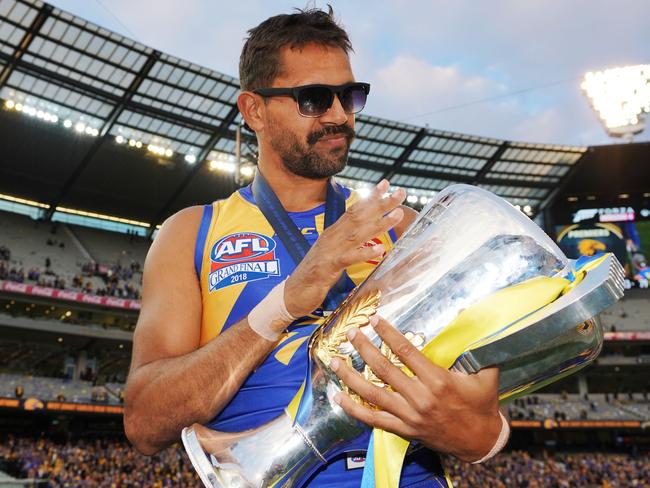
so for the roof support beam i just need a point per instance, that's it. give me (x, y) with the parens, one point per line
(25, 42)
(104, 131)
(201, 158)
(557, 190)
(455, 178)
(480, 175)
(107, 97)
(403, 157)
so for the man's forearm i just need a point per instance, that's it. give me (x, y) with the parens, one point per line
(166, 395)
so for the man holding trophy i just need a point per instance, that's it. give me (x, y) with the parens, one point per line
(269, 326)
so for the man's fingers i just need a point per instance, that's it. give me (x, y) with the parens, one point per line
(385, 203)
(375, 395)
(380, 188)
(375, 418)
(379, 364)
(486, 380)
(361, 255)
(489, 377)
(376, 205)
(407, 353)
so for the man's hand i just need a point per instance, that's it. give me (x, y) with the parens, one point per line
(448, 412)
(341, 245)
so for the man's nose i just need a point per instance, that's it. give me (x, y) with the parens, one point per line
(335, 115)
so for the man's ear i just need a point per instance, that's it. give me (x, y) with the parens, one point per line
(251, 107)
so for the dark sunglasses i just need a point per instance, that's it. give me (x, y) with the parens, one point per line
(316, 100)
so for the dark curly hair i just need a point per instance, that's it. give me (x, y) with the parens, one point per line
(259, 63)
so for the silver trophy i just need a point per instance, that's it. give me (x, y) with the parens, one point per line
(466, 253)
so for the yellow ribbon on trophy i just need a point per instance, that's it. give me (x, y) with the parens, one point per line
(500, 314)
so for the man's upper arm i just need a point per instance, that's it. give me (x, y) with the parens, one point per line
(170, 318)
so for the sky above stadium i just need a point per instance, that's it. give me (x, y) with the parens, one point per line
(508, 69)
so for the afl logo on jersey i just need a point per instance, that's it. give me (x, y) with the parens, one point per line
(239, 258)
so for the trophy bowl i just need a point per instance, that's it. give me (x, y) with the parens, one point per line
(473, 283)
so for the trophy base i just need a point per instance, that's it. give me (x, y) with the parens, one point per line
(274, 454)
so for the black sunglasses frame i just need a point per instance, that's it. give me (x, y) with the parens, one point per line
(295, 91)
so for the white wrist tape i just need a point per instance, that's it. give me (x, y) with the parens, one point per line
(270, 317)
(501, 441)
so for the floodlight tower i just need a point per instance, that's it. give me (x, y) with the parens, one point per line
(621, 97)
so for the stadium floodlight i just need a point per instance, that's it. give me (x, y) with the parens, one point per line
(412, 199)
(10, 104)
(527, 209)
(424, 200)
(190, 158)
(19, 107)
(227, 166)
(621, 97)
(79, 127)
(220, 165)
(247, 171)
(169, 152)
(67, 123)
(120, 139)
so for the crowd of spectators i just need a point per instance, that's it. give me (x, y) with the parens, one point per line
(118, 281)
(16, 273)
(563, 406)
(101, 463)
(520, 469)
(115, 464)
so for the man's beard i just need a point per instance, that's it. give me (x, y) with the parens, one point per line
(302, 159)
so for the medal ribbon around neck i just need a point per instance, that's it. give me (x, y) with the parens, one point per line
(291, 237)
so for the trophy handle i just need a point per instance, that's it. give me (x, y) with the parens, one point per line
(202, 465)
(557, 340)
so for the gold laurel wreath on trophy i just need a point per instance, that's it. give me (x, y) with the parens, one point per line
(356, 313)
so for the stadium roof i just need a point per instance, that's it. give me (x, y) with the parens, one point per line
(120, 128)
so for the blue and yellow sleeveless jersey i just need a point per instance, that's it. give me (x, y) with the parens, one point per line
(238, 260)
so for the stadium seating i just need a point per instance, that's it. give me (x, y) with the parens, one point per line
(57, 389)
(17, 357)
(28, 240)
(575, 407)
(70, 252)
(112, 462)
(559, 470)
(111, 247)
(632, 313)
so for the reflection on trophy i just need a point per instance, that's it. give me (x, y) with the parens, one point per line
(473, 283)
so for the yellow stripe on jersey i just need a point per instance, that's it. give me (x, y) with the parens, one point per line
(230, 216)
(285, 353)
(238, 215)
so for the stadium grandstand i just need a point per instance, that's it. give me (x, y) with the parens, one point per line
(104, 138)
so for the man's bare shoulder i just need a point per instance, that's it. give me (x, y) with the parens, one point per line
(183, 223)
(179, 231)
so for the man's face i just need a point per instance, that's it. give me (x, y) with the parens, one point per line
(310, 147)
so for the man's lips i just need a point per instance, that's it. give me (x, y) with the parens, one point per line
(333, 138)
